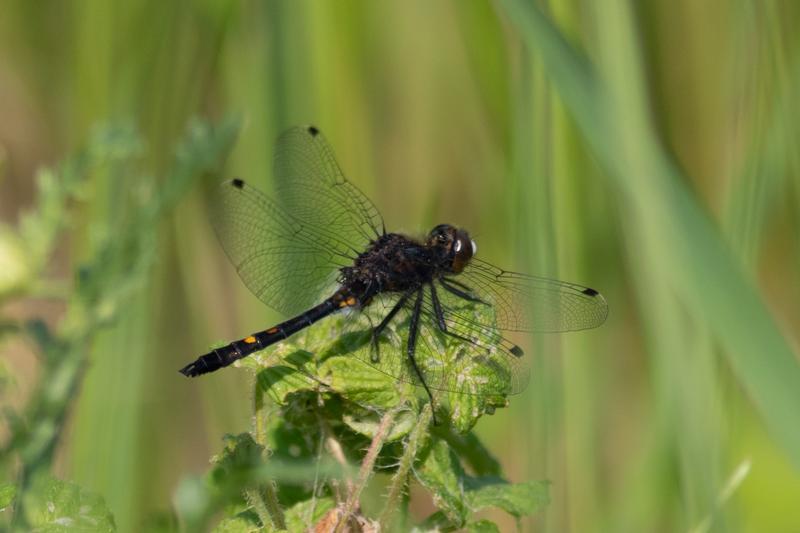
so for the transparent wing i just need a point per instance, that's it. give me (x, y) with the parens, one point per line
(310, 185)
(288, 252)
(286, 262)
(468, 359)
(473, 354)
(528, 303)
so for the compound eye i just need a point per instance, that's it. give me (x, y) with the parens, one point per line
(457, 246)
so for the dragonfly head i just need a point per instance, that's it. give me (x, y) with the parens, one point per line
(453, 245)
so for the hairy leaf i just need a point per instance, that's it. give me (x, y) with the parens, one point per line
(54, 506)
(441, 474)
(482, 526)
(517, 499)
(7, 493)
(367, 423)
(305, 514)
(244, 522)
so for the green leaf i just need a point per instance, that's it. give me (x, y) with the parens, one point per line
(241, 455)
(244, 522)
(470, 449)
(517, 499)
(466, 409)
(367, 422)
(441, 474)
(482, 526)
(435, 523)
(279, 381)
(344, 369)
(7, 493)
(362, 384)
(304, 515)
(54, 506)
(483, 380)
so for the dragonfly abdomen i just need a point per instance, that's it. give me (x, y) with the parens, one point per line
(225, 355)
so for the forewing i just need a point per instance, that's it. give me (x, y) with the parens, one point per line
(312, 187)
(530, 303)
(285, 262)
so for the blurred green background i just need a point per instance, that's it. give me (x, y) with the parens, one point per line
(647, 149)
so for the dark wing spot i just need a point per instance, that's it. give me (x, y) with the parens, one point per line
(517, 351)
(313, 131)
(238, 183)
(590, 292)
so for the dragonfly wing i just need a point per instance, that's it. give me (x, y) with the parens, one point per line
(285, 262)
(528, 303)
(311, 186)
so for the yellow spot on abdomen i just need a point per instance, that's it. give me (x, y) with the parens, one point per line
(250, 340)
(270, 331)
(349, 301)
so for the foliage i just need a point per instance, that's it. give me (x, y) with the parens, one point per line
(115, 266)
(580, 146)
(319, 410)
(55, 506)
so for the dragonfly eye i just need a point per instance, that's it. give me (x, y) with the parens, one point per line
(458, 246)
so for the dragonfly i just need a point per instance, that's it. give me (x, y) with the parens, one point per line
(318, 246)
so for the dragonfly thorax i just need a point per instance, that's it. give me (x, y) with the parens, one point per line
(392, 263)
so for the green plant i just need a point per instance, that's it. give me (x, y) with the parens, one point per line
(113, 268)
(318, 411)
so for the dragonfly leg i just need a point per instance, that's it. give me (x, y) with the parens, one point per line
(376, 332)
(437, 310)
(413, 330)
(450, 286)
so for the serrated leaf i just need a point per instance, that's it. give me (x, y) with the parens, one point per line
(441, 474)
(362, 384)
(466, 409)
(435, 523)
(7, 493)
(280, 381)
(483, 378)
(304, 515)
(54, 506)
(517, 499)
(483, 526)
(470, 449)
(240, 455)
(245, 522)
(367, 422)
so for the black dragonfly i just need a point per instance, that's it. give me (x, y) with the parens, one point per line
(323, 234)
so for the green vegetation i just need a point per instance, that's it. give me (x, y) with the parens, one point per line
(645, 149)
(317, 412)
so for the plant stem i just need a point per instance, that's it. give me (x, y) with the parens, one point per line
(335, 449)
(253, 497)
(415, 441)
(367, 466)
(266, 498)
